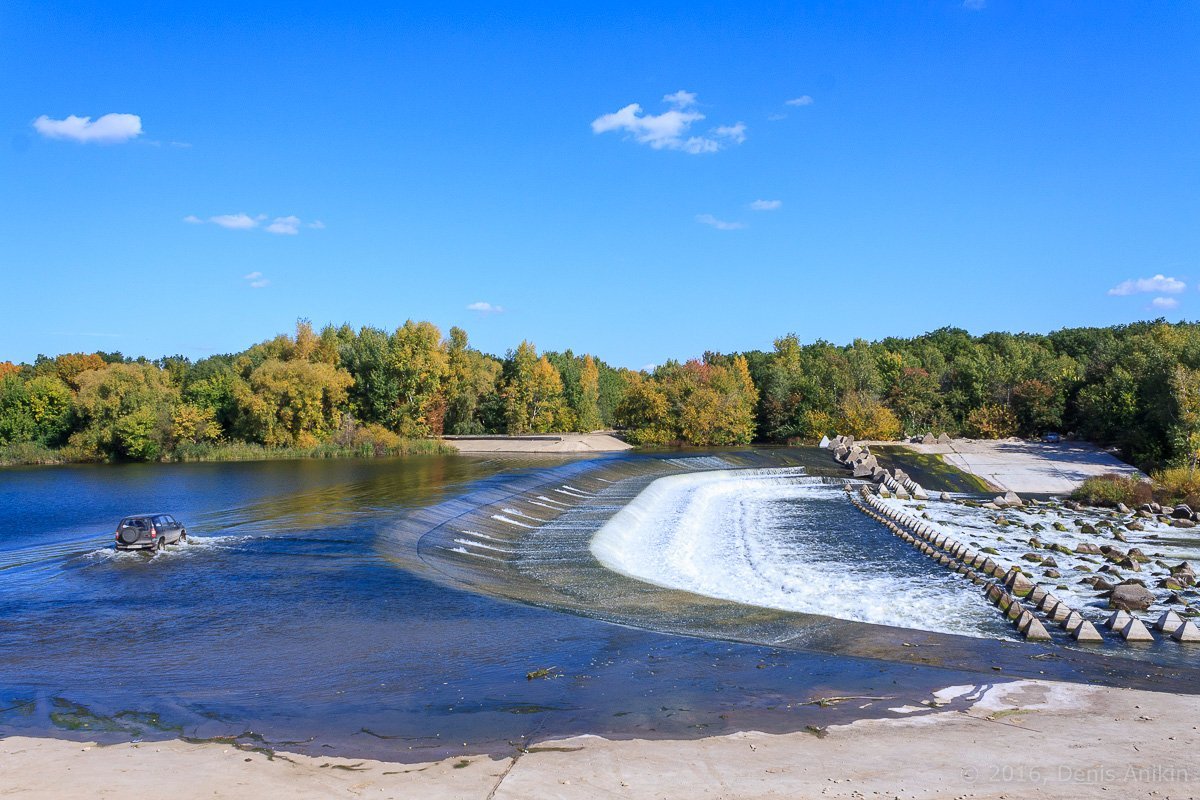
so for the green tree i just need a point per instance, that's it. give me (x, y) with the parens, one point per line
(125, 411)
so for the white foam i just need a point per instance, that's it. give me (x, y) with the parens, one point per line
(763, 537)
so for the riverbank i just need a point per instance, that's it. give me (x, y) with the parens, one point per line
(1014, 739)
(544, 443)
(1020, 466)
(28, 454)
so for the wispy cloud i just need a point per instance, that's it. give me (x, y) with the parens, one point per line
(719, 224)
(1164, 302)
(680, 99)
(974, 5)
(766, 205)
(289, 225)
(285, 226)
(255, 280)
(108, 129)
(670, 130)
(802, 100)
(1159, 284)
(485, 308)
(237, 222)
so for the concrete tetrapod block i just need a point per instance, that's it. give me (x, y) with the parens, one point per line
(1037, 595)
(1032, 628)
(1070, 621)
(1059, 613)
(1048, 602)
(1117, 620)
(1086, 632)
(1187, 632)
(1015, 610)
(1135, 631)
(993, 593)
(1167, 622)
(1005, 602)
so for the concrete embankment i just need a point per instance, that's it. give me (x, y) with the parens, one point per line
(546, 443)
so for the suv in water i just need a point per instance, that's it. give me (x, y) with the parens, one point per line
(149, 532)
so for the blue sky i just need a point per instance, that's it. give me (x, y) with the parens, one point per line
(990, 165)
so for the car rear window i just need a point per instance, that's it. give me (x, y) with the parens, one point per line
(134, 522)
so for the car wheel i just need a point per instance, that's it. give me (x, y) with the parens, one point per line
(183, 537)
(161, 546)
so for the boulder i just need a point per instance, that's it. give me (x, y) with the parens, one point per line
(1182, 511)
(1087, 548)
(944, 496)
(1049, 561)
(1182, 523)
(1012, 499)
(1131, 597)
(1053, 573)
(1121, 507)
(1135, 631)
(824, 443)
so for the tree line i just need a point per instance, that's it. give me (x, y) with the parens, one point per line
(1135, 386)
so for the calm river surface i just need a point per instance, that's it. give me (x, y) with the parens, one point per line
(284, 620)
(291, 622)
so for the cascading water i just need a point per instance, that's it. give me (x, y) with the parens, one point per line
(780, 539)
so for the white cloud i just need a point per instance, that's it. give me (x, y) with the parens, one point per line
(485, 308)
(239, 222)
(802, 100)
(286, 226)
(735, 132)
(671, 129)
(255, 280)
(974, 5)
(766, 205)
(1159, 283)
(719, 224)
(108, 129)
(1164, 302)
(776, 117)
(680, 99)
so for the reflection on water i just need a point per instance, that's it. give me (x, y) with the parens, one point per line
(303, 612)
(284, 619)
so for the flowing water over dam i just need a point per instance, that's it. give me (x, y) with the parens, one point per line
(393, 608)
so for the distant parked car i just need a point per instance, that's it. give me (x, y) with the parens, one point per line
(149, 532)
(1052, 438)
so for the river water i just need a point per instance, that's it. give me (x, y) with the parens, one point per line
(298, 619)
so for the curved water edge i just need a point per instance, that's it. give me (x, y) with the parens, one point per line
(782, 539)
(289, 620)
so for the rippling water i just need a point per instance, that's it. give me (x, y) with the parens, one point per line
(781, 539)
(367, 607)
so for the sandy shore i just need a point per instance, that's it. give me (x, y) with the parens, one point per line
(1019, 739)
(1028, 466)
(547, 443)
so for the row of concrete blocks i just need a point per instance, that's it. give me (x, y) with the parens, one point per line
(1168, 623)
(1005, 595)
(935, 553)
(1121, 623)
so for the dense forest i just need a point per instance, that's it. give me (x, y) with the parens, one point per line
(341, 390)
